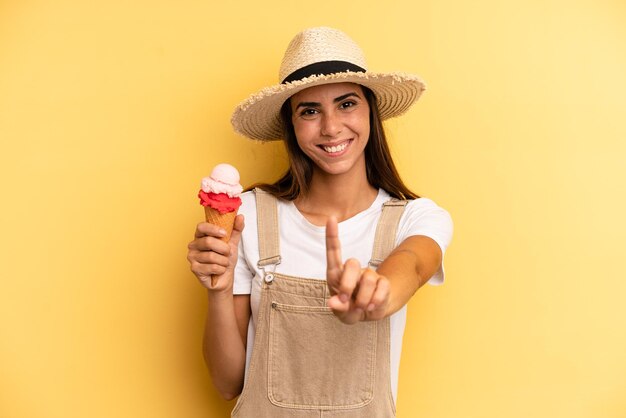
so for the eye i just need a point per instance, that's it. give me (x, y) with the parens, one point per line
(347, 104)
(308, 113)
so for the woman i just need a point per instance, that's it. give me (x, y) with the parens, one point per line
(309, 333)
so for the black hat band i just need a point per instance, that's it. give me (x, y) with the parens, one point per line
(322, 68)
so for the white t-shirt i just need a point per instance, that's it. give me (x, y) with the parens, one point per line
(303, 252)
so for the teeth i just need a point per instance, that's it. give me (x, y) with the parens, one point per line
(337, 148)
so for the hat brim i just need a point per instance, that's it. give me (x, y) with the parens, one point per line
(258, 117)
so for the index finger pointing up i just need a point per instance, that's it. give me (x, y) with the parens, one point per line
(333, 250)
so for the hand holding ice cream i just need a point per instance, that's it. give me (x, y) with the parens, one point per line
(219, 195)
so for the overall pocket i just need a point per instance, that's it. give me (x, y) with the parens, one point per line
(317, 362)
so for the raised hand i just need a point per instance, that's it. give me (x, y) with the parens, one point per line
(358, 294)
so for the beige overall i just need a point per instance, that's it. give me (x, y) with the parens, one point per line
(305, 362)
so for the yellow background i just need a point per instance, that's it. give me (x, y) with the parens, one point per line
(112, 111)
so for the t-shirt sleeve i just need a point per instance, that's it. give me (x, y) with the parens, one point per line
(423, 217)
(242, 284)
(244, 273)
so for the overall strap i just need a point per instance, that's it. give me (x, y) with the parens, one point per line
(386, 231)
(267, 225)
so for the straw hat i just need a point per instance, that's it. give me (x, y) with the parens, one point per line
(322, 56)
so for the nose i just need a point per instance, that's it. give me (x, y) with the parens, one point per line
(331, 124)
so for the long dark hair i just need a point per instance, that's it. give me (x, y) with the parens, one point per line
(380, 169)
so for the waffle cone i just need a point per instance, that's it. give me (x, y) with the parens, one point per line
(223, 220)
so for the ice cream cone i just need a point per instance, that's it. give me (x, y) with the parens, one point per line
(223, 220)
(219, 195)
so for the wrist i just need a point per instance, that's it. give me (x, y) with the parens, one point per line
(220, 295)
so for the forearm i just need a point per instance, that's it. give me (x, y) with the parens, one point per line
(408, 267)
(224, 349)
(400, 268)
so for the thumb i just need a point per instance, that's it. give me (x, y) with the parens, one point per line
(235, 236)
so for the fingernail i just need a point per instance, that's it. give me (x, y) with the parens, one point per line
(221, 232)
(370, 307)
(343, 297)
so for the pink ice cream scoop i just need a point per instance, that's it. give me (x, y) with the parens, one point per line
(223, 179)
(221, 189)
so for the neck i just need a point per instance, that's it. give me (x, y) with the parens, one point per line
(341, 196)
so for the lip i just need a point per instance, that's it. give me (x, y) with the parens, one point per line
(348, 142)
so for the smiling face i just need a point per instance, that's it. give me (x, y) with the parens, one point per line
(331, 123)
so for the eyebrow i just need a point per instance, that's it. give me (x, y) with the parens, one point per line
(336, 100)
